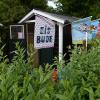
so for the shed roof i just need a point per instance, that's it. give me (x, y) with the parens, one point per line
(59, 18)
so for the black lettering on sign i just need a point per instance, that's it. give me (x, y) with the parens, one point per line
(48, 39)
(45, 30)
(48, 30)
(42, 31)
(38, 39)
(44, 39)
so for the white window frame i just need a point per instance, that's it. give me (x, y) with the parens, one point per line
(16, 25)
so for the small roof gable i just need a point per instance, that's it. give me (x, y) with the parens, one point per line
(59, 18)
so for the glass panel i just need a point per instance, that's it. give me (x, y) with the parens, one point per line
(17, 32)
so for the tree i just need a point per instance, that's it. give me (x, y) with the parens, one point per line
(79, 8)
(11, 11)
(37, 4)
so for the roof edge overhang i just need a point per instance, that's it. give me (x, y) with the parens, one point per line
(37, 12)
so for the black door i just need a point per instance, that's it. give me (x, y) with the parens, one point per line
(46, 56)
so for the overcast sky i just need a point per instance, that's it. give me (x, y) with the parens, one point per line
(51, 3)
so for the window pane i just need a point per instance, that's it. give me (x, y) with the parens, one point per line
(17, 32)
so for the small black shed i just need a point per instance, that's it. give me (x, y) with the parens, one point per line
(63, 36)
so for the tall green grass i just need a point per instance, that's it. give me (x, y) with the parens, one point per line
(80, 78)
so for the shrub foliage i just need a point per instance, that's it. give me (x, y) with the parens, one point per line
(80, 78)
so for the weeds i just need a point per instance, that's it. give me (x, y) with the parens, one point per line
(80, 78)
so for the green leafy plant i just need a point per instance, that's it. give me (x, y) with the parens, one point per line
(80, 78)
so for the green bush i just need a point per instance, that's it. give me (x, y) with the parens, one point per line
(84, 71)
(80, 78)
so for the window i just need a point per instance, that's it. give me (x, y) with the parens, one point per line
(17, 32)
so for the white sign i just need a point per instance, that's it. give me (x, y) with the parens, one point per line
(44, 33)
(20, 35)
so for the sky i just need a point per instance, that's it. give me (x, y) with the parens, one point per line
(51, 3)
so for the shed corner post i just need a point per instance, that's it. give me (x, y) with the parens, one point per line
(60, 42)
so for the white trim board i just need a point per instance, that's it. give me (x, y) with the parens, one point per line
(30, 21)
(45, 14)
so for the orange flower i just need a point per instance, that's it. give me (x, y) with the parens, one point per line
(54, 75)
